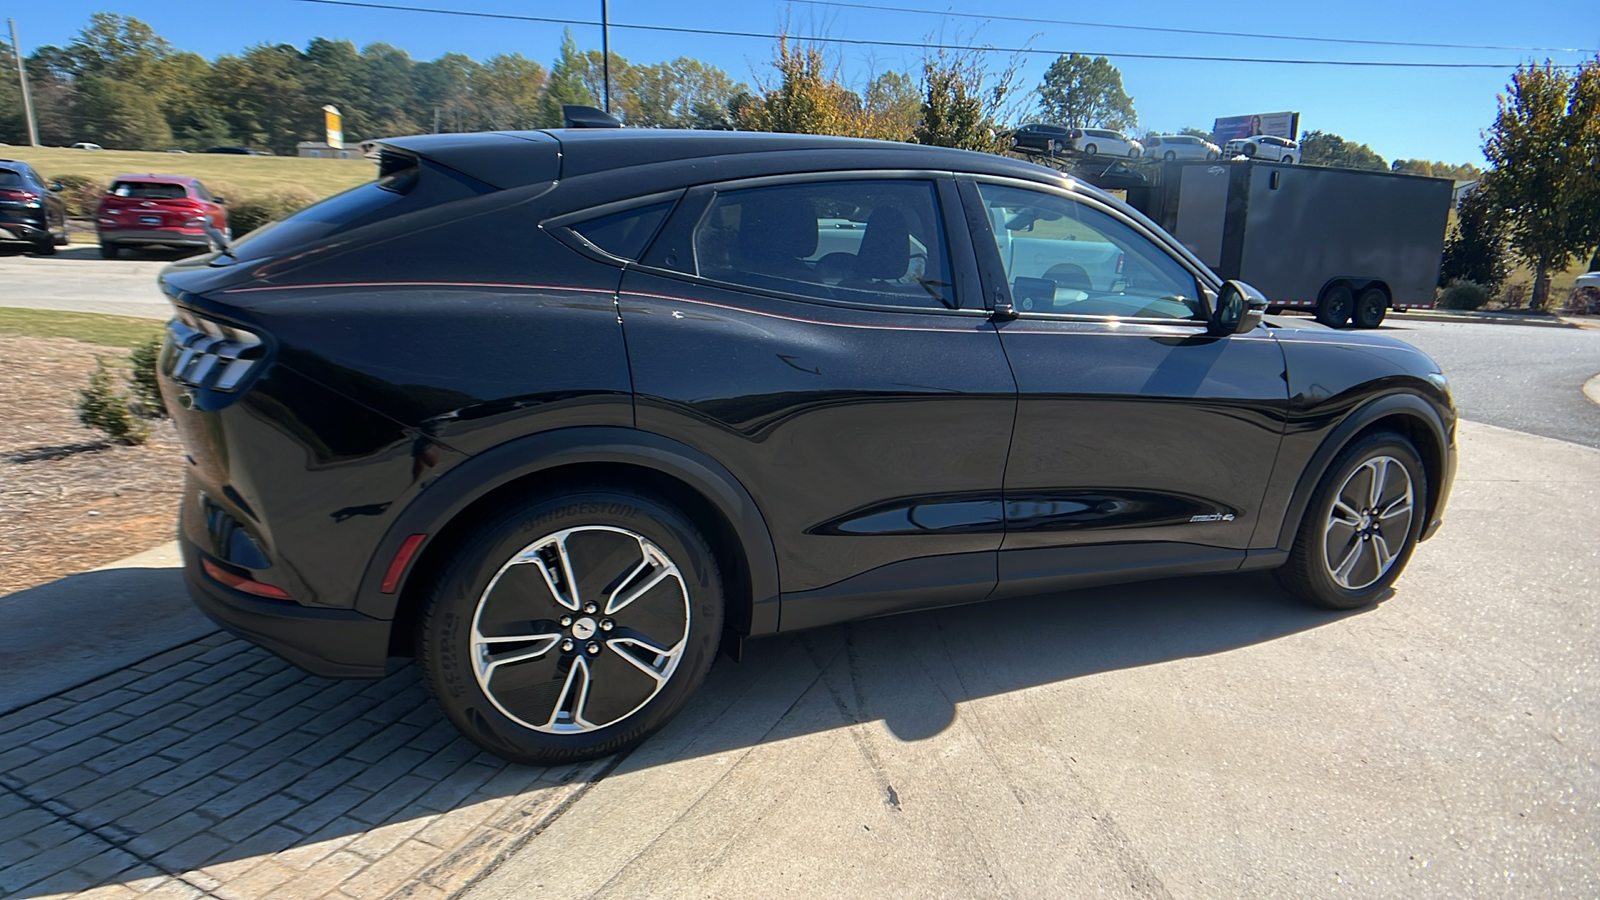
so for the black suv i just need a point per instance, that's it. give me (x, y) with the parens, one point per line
(560, 412)
(31, 210)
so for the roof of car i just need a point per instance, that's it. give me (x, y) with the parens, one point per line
(503, 158)
(163, 179)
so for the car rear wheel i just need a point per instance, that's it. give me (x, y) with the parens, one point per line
(46, 247)
(573, 626)
(1337, 304)
(1170, 156)
(1370, 309)
(1361, 526)
(109, 250)
(1091, 149)
(1288, 160)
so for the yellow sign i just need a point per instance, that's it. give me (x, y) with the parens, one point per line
(333, 122)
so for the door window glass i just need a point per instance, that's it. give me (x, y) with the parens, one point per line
(625, 234)
(879, 242)
(1064, 257)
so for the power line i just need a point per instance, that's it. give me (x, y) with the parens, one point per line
(1193, 31)
(911, 45)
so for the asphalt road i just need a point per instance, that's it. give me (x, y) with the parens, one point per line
(1519, 377)
(76, 278)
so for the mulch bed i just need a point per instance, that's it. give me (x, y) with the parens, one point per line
(69, 499)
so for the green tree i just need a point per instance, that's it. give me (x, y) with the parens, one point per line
(331, 73)
(893, 103)
(120, 115)
(1475, 248)
(1544, 152)
(566, 85)
(1195, 132)
(807, 98)
(508, 88)
(1320, 148)
(1085, 92)
(960, 103)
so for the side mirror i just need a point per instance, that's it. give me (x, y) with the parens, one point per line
(1238, 309)
(219, 199)
(57, 187)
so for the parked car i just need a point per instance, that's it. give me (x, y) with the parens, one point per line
(1114, 143)
(31, 211)
(1264, 146)
(235, 151)
(160, 211)
(858, 378)
(1044, 137)
(1180, 146)
(85, 145)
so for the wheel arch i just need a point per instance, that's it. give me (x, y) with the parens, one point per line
(485, 484)
(1407, 414)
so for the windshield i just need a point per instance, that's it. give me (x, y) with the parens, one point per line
(149, 190)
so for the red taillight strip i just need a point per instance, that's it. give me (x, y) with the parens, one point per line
(397, 566)
(241, 583)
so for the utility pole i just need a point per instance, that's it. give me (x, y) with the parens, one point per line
(605, 53)
(27, 96)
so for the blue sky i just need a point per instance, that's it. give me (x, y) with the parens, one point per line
(1402, 113)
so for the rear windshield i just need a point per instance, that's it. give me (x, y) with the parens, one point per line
(10, 179)
(149, 190)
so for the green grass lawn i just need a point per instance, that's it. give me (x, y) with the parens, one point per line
(93, 328)
(249, 175)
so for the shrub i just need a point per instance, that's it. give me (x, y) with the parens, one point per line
(1585, 301)
(1463, 294)
(251, 213)
(101, 406)
(81, 194)
(143, 380)
(1515, 296)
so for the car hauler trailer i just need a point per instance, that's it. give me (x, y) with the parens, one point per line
(1346, 244)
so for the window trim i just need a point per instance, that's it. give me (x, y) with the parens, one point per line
(993, 268)
(675, 240)
(561, 227)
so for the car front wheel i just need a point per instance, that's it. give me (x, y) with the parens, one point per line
(573, 626)
(1361, 526)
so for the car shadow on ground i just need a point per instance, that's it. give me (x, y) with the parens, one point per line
(217, 761)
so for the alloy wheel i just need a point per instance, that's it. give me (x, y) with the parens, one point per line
(1369, 523)
(580, 629)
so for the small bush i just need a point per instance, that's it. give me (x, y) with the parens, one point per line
(1515, 296)
(102, 407)
(1585, 301)
(1463, 294)
(146, 386)
(251, 213)
(81, 194)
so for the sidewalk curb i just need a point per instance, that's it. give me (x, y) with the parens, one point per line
(1484, 318)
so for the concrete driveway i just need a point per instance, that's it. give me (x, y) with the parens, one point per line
(76, 278)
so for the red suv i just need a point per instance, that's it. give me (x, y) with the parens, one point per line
(160, 211)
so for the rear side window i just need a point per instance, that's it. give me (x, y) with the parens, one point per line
(878, 242)
(149, 190)
(627, 233)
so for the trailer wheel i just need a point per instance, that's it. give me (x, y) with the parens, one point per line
(1334, 309)
(1371, 307)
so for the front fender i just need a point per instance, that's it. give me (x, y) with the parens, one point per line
(487, 472)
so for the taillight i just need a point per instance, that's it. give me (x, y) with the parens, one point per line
(28, 198)
(206, 354)
(199, 222)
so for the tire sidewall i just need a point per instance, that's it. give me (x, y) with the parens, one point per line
(1330, 592)
(444, 645)
(1374, 298)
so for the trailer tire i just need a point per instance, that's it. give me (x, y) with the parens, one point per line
(1336, 305)
(1371, 307)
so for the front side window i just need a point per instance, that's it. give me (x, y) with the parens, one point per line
(878, 242)
(1068, 258)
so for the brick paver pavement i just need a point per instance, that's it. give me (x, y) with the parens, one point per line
(218, 770)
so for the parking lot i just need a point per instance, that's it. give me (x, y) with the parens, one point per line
(1202, 737)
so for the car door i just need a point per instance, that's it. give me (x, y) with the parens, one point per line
(823, 339)
(1141, 441)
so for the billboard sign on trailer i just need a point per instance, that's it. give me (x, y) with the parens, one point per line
(1284, 124)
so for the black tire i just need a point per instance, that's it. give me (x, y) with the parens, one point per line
(1288, 160)
(1133, 154)
(109, 250)
(1170, 156)
(1090, 149)
(1371, 307)
(46, 247)
(598, 523)
(1336, 305)
(1250, 150)
(1309, 574)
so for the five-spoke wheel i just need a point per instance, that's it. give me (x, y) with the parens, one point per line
(1361, 525)
(581, 641)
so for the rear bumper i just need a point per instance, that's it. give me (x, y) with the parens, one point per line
(172, 238)
(24, 231)
(334, 643)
